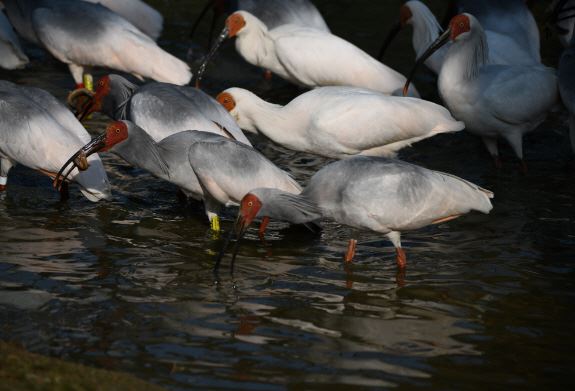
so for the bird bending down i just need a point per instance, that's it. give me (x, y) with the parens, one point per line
(340, 122)
(37, 131)
(80, 33)
(11, 54)
(307, 57)
(493, 100)
(204, 165)
(503, 47)
(379, 194)
(161, 109)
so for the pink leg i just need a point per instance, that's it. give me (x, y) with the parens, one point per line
(350, 250)
(401, 258)
(267, 75)
(263, 226)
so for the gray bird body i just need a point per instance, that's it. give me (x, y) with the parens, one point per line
(566, 74)
(163, 109)
(204, 165)
(80, 34)
(380, 194)
(11, 54)
(37, 131)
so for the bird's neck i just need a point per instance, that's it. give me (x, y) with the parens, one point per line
(121, 110)
(255, 45)
(293, 208)
(426, 29)
(271, 120)
(141, 151)
(464, 60)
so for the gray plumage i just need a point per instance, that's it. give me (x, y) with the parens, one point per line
(164, 109)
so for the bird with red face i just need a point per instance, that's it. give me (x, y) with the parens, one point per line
(307, 57)
(492, 100)
(370, 193)
(161, 109)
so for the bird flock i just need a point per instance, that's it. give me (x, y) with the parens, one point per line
(357, 110)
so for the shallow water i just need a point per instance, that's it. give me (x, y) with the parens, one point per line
(487, 300)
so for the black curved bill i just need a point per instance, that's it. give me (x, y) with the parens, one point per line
(221, 38)
(436, 45)
(78, 160)
(389, 39)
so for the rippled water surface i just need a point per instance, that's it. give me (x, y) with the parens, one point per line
(486, 300)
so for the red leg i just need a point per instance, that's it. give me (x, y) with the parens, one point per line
(79, 85)
(523, 167)
(401, 258)
(2, 187)
(497, 162)
(267, 75)
(350, 250)
(263, 226)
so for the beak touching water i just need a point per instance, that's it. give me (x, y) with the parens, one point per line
(436, 45)
(79, 159)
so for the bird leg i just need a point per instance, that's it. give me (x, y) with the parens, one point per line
(267, 75)
(3, 181)
(263, 226)
(401, 258)
(215, 223)
(350, 253)
(64, 192)
(523, 167)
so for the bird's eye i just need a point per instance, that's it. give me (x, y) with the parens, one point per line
(101, 84)
(461, 25)
(250, 203)
(117, 130)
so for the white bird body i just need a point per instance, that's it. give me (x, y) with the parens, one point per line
(82, 34)
(140, 14)
(275, 13)
(37, 131)
(503, 48)
(383, 195)
(340, 122)
(494, 100)
(11, 54)
(313, 58)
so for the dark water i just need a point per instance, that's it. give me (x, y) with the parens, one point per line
(487, 301)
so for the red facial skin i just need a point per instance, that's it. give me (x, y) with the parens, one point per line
(459, 24)
(235, 22)
(226, 100)
(404, 15)
(102, 89)
(116, 132)
(249, 208)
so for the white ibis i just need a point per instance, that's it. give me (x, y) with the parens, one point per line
(306, 56)
(140, 14)
(567, 86)
(493, 100)
(373, 193)
(273, 13)
(11, 54)
(80, 34)
(160, 109)
(340, 122)
(204, 165)
(504, 48)
(37, 131)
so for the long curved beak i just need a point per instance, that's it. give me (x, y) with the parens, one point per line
(82, 108)
(221, 38)
(435, 46)
(79, 160)
(389, 39)
(240, 227)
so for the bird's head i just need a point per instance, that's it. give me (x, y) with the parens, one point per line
(460, 28)
(115, 133)
(235, 23)
(238, 102)
(405, 18)
(112, 92)
(250, 206)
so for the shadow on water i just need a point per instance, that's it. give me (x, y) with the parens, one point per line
(128, 284)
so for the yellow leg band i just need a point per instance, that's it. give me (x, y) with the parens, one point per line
(215, 223)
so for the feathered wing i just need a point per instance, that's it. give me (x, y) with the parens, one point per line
(297, 47)
(529, 107)
(140, 14)
(362, 120)
(11, 54)
(32, 136)
(275, 13)
(228, 170)
(111, 41)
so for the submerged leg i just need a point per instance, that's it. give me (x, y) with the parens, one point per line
(263, 226)
(350, 253)
(491, 145)
(64, 191)
(401, 258)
